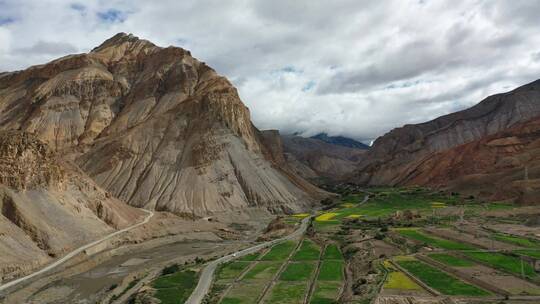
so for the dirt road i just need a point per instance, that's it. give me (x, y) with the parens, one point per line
(207, 274)
(75, 252)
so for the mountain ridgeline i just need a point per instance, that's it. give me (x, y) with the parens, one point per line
(153, 126)
(490, 150)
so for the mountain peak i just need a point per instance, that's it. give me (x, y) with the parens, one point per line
(121, 39)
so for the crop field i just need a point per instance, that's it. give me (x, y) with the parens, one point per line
(331, 271)
(244, 293)
(503, 262)
(288, 293)
(308, 251)
(263, 270)
(519, 241)
(533, 253)
(326, 292)
(398, 280)
(326, 216)
(231, 270)
(249, 257)
(451, 260)
(175, 288)
(332, 253)
(280, 251)
(298, 271)
(414, 234)
(440, 280)
(330, 278)
(387, 201)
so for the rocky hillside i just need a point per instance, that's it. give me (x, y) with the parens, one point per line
(459, 146)
(315, 159)
(47, 206)
(154, 126)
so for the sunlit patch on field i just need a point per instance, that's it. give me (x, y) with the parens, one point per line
(438, 205)
(398, 280)
(326, 216)
(347, 205)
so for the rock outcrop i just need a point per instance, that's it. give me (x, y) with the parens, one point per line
(154, 126)
(460, 148)
(47, 206)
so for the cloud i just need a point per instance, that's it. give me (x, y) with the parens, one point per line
(346, 67)
(112, 15)
(49, 48)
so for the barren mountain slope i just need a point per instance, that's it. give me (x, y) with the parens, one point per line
(48, 207)
(505, 165)
(154, 126)
(483, 150)
(313, 158)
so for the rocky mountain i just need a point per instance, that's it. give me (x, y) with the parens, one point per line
(474, 149)
(315, 159)
(48, 206)
(153, 126)
(340, 141)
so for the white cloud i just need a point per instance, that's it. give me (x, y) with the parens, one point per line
(347, 67)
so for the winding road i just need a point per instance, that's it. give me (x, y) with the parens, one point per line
(207, 274)
(76, 252)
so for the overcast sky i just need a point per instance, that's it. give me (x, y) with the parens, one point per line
(346, 67)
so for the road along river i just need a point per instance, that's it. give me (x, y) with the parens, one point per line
(207, 274)
(75, 252)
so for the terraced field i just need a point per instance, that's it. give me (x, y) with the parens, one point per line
(434, 241)
(503, 262)
(330, 279)
(283, 274)
(439, 280)
(176, 287)
(451, 260)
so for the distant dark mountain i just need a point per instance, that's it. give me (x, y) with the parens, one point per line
(340, 141)
(314, 159)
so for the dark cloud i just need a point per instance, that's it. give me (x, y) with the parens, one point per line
(112, 15)
(49, 48)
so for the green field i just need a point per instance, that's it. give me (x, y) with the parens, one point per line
(263, 270)
(332, 253)
(331, 271)
(503, 262)
(308, 251)
(519, 241)
(439, 280)
(175, 288)
(298, 271)
(245, 292)
(326, 293)
(386, 201)
(287, 293)
(249, 257)
(451, 260)
(231, 270)
(279, 252)
(432, 240)
(529, 252)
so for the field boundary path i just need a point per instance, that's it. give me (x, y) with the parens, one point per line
(76, 252)
(207, 274)
(313, 281)
(272, 282)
